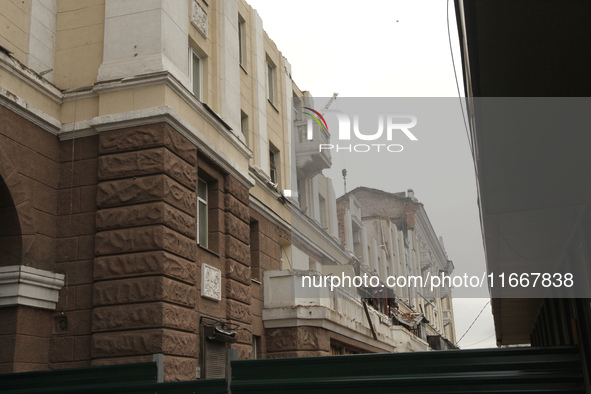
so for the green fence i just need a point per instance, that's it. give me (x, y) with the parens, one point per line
(510, 370)
(112, 379)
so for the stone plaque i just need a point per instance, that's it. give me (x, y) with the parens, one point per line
(199, 18)
(211, 282)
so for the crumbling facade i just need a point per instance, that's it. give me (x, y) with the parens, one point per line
(391, 235)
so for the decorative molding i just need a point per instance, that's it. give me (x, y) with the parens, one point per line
(320, 317)
(83, 93)
(320, 233)
(23, 285)
(157, 115)
(30, 77)
(211, 282)
(199, 18)
(269, 214)
(30, 113)
(264, 181)
(164, 77)
(427, 233)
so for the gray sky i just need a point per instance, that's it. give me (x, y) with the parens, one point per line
(394, 48)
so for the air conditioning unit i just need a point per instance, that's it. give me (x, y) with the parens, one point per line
(219, 334)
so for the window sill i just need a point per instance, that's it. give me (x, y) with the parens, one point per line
(209, 250)
(273, 105)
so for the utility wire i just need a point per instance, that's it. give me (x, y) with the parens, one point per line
(453, 62)
(485, 305)
(476, 343)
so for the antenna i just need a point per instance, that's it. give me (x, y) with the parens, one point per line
(333, 98)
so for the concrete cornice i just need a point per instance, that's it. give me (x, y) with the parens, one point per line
(169, 80)
(156, 115)
(30, 77)
(314, 316)
(28, 112)
(269, 214)
(54, 126)
(320, 233)
(23, 285)
(429, 233)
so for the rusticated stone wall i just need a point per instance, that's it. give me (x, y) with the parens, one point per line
(307, 341)
(265, 251)
(145, 291)
(238, 264)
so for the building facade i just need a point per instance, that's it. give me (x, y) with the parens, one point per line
(146, 152)
(391, 235)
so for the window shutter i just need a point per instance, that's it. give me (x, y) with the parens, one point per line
(215, 359)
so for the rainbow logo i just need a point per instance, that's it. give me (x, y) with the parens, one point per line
(319, 119)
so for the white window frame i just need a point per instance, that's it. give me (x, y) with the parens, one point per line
(273, 166)
(202, 223)
(192, 54)
(241, 41)
(271, 82)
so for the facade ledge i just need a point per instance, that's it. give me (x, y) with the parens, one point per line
(269, 214)
(23, 285)
(311, 223)
(263, 180)
(164, 77)
(29, 112)
(30, 77)
(143, 117)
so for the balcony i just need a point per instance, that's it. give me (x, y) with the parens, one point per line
(287, 304)
(309, 158)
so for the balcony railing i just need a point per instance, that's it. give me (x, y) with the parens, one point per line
(287, 302)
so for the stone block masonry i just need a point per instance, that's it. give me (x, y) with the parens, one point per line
(145, 273)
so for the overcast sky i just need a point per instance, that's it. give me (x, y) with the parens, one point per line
(395, 48)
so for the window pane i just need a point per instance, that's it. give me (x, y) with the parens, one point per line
(240, 41)
(202, 190)
(196, 76)
(270, 82)
(202, 224)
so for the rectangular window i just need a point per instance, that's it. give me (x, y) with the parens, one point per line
(202, 227)
(256, 341)
(241, 41)
(195, 73)
(244, 125)
(323, 213)
(255, 250)
(273, 159)
(271, 83)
